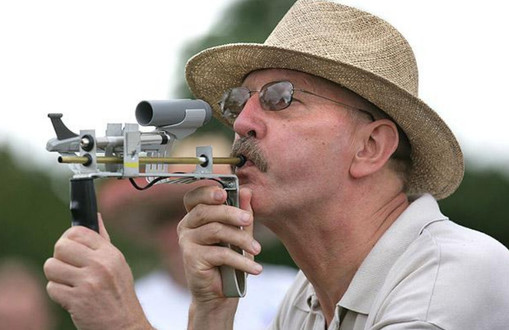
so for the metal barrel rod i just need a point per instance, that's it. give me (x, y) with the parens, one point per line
(152, 160)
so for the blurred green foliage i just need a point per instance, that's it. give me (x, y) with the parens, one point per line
(32, 216)
(482, 203)
(245, 21)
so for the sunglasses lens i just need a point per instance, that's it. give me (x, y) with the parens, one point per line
(276, 96)
(233, 101)
(273, 96)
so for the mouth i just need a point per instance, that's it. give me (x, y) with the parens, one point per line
(246, 148)
(244, 163)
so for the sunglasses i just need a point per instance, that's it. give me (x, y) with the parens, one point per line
(274, 96)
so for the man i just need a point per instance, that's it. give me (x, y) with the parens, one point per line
(334, 90)
(363, 225)
(150, 218)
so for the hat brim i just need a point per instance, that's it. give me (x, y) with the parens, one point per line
(437, 160)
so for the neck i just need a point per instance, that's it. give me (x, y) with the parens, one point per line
(342, 239)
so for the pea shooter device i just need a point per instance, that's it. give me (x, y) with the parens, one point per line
(126, 152)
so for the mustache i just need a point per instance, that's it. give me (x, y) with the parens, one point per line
(247, 147)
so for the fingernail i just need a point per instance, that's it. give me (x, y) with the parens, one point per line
(218, 195)
(258, 268)
(245, 217)
(256, 246)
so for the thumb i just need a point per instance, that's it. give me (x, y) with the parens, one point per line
(102, 229)
(245, 195)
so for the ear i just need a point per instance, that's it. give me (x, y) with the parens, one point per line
(377, 142)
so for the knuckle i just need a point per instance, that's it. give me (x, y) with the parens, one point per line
(227, 212)
(77, 231)
(192, 196)
(90, 285)
(60, 246)
(182, 237)
(48, 264)
(55, 294)
(188, 199)
(113, 252)
(105, 270)
(247, 238)
(181, 226)
(223, 254)
(200, 211)
(50, 286)
(232, 213)
(214, 230)
(119, 261)
(188, 255)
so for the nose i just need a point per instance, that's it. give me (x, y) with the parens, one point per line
(251, 120)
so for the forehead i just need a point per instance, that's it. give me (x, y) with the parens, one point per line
(260, 77)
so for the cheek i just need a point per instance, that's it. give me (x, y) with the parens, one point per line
(298, 154)
(323, 147)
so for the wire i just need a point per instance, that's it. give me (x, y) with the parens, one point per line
(150, 184)
(156, 180)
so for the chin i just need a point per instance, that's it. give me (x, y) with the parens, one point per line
(261, 209)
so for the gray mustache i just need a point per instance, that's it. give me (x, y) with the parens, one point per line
(248, 148)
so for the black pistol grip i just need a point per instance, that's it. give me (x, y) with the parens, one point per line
(83, 203)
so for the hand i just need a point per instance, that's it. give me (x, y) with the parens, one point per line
(208, 223)
(90, 278)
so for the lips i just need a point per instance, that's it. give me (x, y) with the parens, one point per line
(247, 148)
(245, 163)
(242, 161)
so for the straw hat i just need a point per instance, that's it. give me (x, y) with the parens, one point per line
(353, 49)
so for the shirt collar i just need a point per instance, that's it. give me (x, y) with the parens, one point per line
(306, 299)
(372, 273)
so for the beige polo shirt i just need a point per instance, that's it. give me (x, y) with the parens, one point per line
(425, 272)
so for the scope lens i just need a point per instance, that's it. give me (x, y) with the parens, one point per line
(144, 113)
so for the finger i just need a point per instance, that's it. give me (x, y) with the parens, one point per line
(60, 293)
(217, 233)
(102, 229)
(229, 215)
(86, 236)
(212, 195)
(222, 256)
(245, 195)
(60, 272)
(72, 252)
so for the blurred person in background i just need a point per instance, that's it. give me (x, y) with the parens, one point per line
(24, 304)
(152, 216)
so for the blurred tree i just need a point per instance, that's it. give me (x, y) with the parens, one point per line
(243, 21)
(32, 216)
(481, 203)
